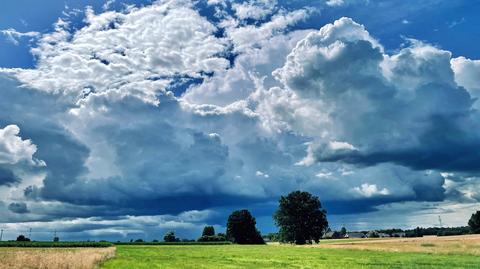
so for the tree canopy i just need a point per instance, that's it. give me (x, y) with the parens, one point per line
(300, 218)
(208, 231)
(474, 223)
(170, 237)
(241, 228)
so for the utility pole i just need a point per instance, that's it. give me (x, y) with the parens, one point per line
(440, 221)
(1, 234)
(30, 233)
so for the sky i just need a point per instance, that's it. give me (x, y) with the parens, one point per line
(128, 119)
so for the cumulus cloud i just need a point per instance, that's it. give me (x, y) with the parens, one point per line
(254, 9)
(369, 190)
(139, 51)
(467, 72)
(392, 106)
(158, 118)
(13, 149)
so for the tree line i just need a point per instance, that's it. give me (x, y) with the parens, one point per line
(301, 219)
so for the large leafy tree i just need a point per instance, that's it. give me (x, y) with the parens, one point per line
(474, 223)
(208, 231)
(300, 218)
(241, 228)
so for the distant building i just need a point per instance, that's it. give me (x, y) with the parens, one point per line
(383, 235)
(355, 235)
(401, 234)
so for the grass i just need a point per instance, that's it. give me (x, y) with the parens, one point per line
(279, 256)
(174, 243)
(54, 258)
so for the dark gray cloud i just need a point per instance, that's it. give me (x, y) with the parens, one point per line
(117, 155)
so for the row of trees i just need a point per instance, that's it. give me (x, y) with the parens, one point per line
(300, 218)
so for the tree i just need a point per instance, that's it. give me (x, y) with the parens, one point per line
(474, 223)
(343, 231)
(373, 234)
(56, 239)
(241, 228)
(22, 238)
(208, 231)
(170, 237)
(300, 218)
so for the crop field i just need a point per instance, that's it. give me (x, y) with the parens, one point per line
(53, 258)
(464, 244)
(426, 252)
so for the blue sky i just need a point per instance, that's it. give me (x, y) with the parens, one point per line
(127, 119)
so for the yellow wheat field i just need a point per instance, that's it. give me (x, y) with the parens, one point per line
(54, 258)
(464, 244)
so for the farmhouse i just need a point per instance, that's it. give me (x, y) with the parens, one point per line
(355, 235)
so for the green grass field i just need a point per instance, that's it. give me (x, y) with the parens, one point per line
(285, 256)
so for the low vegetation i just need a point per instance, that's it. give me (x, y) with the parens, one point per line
(35, 244)
(174, 243)
(451, 245)
(279, 256)
(58, 258)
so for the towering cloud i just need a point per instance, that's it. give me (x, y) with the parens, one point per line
(161, 117)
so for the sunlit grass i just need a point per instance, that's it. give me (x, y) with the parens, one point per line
(279, 256)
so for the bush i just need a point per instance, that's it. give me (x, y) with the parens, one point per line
(22, 238)
(212, 238)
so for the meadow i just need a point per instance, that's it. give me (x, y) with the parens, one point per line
(421, 253)
(425, 252)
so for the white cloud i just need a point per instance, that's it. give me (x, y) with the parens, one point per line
(138, 52)
(14, 150)
(254, 9)
(334, 3)
(369, 190)
(14, 36)
(338, 145)
(467, 74)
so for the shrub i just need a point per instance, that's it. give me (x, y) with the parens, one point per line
(22, 238)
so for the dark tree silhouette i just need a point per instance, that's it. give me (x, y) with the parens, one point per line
(241, 228)
(22, 238)
(343, 231)
(170, 237)
(301, 218)
(474, 223)
(208, 231)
